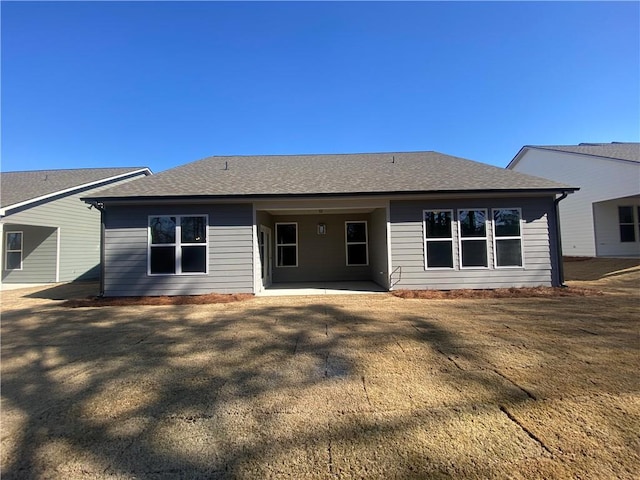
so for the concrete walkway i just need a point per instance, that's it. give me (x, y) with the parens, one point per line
(321, 288)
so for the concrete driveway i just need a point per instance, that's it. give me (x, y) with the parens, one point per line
(366, 386)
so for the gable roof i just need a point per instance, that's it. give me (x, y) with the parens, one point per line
(627, 151)
(329, 174)
(21, 188)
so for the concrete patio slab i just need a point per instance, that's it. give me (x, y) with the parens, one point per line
(321, 288)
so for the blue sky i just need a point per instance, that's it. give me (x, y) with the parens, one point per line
(159, 84)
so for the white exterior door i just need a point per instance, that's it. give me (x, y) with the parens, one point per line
(266, 255)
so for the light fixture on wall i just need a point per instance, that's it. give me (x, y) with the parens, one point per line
(322, 229)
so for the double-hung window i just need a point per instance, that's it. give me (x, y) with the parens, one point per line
(13, 256)
(507, 237)
(627, 224)
(356, 240)
(438, 238)
(287, 244)
(473, 238)
(177, 244)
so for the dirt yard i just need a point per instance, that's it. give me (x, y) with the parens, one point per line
(362, 386)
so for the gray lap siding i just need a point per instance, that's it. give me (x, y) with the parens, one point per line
(407, 246)
(230, 255)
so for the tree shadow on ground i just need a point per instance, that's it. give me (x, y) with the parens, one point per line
(239, 392)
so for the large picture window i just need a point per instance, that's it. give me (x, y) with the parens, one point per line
(507, 237)
(178, 244)
(438, 238)
(13, 256)
(473, 238)
(627, 224)
(287, 244)
(356, 243)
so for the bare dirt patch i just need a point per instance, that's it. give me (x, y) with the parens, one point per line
(362, 386)
(207, 299)
(536, 292)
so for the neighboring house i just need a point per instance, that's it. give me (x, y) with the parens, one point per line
(419, 220)
(48, 234)
(603, 218)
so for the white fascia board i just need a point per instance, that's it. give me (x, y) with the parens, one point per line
(3, 211)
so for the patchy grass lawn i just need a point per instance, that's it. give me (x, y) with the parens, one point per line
(362, 386)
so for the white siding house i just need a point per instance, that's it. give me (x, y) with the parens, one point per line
(603, 217)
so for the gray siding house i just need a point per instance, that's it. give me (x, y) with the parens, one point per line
(420, 220)
(48, 234)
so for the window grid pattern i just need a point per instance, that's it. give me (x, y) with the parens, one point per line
(178, 245)
(438, 238)
(13, 251)
(357, 250)
(473, 240)
(287, 244)
(507, 238)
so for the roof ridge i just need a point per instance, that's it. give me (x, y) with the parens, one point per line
(74, 169)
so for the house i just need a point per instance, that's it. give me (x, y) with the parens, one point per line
(603, 218)
(419, 220)
(48, 234)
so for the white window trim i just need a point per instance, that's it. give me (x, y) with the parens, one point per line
(7, 251)
(365, 243)
(512, 237)
(286, 245)
(425, 239)
(635, 213)
(473, 239)
(177, 244)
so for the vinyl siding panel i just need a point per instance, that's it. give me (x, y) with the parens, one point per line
(407, 247)
(229, 258)
(38, 255)
(600, 180)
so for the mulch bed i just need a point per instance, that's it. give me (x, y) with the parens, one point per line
(535, 292)
(163, 300)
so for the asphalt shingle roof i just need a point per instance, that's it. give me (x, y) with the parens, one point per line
(18, 187)
(326, 175)
(617, 150)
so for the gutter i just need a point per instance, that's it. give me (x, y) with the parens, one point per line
(559, 238)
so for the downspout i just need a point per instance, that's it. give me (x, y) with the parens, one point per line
(100, 207)
(559, 239)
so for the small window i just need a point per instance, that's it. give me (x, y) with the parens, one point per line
(438, 238)
(178, 245)
(627, 224)
(507, 237)
(356, 243)
(13, 256)
(287, 244)
(473, 238)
